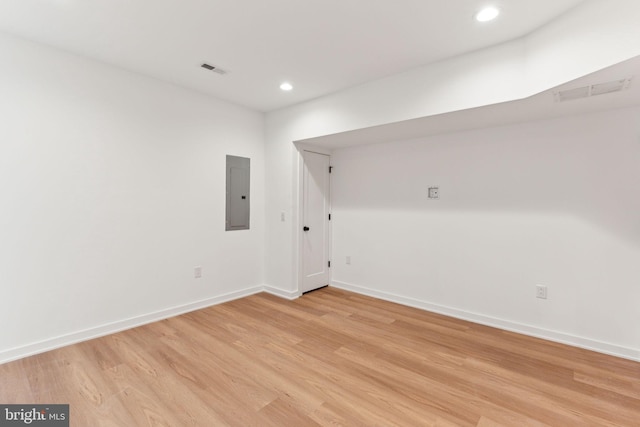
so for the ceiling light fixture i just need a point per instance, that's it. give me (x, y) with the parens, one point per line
(286, 86)
(487, 14)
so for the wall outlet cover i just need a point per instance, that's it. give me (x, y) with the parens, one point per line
(434, 192)
(541, 291)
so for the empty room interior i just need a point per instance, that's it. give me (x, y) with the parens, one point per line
(313, 213)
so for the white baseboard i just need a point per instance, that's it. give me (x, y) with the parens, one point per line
(290, 295)
(560, 337)
(121, 325)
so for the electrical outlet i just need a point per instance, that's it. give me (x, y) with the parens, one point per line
(349, 260)
(197, 272)
(541, 291)
(434, 193)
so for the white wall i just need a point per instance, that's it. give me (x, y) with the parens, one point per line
(552, 203)
(112, 188)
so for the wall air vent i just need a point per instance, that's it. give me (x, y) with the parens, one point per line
(214, 69)
(592, 90)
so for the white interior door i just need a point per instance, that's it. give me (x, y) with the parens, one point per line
(315, 218)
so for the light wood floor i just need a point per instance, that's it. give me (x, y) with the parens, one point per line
(329, 358)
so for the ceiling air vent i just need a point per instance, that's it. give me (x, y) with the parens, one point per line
(593, 90)
(571, 94)
(615, 86)
(214, 69)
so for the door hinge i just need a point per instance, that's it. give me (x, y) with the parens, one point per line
(329, 264)
(329, 217)
(330, 169)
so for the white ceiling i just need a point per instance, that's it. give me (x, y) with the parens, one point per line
(321, 46)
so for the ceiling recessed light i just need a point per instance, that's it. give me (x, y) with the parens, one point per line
(286, 86)
(487, 14)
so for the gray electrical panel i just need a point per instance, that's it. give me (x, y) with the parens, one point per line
(238, 197)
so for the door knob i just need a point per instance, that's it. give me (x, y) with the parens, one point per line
(305, 228)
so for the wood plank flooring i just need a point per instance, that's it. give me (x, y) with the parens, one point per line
(330, 358)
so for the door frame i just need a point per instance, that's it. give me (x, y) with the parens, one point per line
(298, 235)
